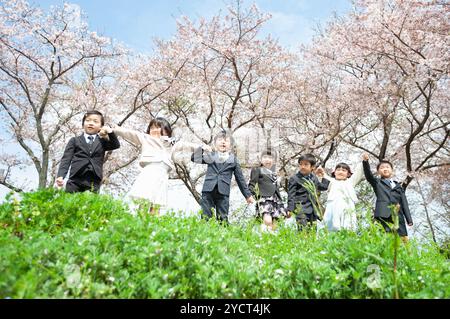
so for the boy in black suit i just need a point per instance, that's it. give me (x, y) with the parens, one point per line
(222, 164)
(85, 154)
(299, 198)
(388, 192)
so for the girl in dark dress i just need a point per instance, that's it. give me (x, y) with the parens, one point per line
(264, 187)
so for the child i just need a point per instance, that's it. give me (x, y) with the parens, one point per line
(157, 152)
(388, 192)
(263, 186)
(299, 198)
(340, 208)
(84, 155)
(216, 189)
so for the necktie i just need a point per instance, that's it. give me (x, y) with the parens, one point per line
(391, 183)
(91, 141)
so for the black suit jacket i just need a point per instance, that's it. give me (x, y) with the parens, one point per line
(220, 174)
(77, 156)
(386, 195)
(267, 184)
(298, 194)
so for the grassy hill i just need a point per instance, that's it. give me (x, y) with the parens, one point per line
(57, 245)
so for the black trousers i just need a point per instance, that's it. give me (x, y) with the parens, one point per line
(85, 182)
(305, 220)
(387, 223)
(220, 203)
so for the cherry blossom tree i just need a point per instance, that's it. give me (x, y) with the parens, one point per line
(374, 80)
(50, 70)
(231, 79)
(391, 61)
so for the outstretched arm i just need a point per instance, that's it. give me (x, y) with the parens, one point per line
(181, 147)
(323, 184)
(131, 136)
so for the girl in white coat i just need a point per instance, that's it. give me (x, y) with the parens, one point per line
(157, 153)
(340, 207)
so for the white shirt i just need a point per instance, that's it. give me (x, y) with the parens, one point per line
(86, 137)
(223, 156)
(391, 182)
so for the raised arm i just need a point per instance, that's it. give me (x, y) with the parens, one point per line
(368, 174)
(322, 185)
(358, 174)
(112, 142)
(197, 156)
(321, 174)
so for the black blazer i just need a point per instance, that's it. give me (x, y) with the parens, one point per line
(297, 193)
(387, 196)
(267, 184)
(77, 155)
(220, 173)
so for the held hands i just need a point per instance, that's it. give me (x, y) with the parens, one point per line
(104, 131)
(320, 172)
(207, 148)
(250, 200)
(365, 156)
(60, 182)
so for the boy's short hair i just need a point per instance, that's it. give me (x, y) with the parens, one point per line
(384, 161)
(224, 134)
(93, 112)
(308, 158)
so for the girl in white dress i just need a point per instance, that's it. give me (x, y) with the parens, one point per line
(157, 153)
(340, 207)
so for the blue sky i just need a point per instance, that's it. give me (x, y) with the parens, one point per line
(136, 22)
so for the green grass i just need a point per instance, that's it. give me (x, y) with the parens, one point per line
(58, 245)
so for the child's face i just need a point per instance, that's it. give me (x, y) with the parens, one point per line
(385, 170)
(223, 144)
(92, 124)
(305, 167)
(341, 174)
(267, 161)
(155, 131)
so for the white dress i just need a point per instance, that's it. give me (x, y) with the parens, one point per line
(156, 161)
(340, 207)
